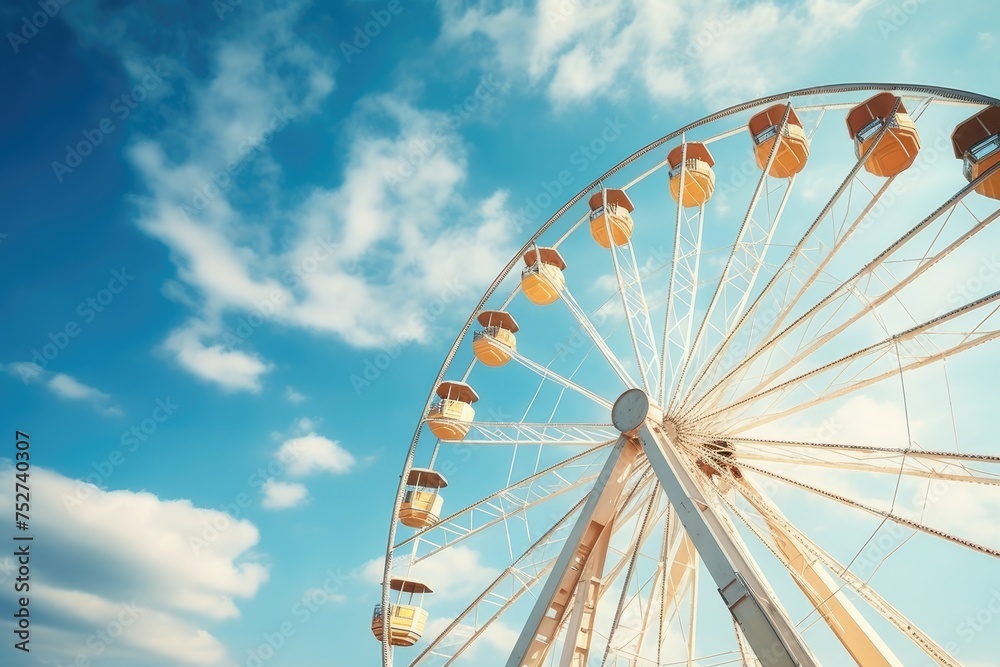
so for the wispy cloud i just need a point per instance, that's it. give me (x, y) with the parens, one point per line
(283, 495)
(362, 252)
(294, 396)
(63, 385)
(314, 453)
(233, 370)
(715, 50)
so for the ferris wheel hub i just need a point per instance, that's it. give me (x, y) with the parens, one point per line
(630, 410)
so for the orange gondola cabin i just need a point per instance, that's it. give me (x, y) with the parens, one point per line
(793, 147)
(611, 210)
(422, 501)
(542, 278)
(695, 172)
(498, 327)
(899, 146)
(449, 418)
(977, 143)
(406, 620)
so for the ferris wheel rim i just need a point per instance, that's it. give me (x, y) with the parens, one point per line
(937, 94)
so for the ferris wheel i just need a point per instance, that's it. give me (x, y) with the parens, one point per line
(734, 408)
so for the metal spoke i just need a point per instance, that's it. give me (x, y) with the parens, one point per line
(934, 455)
(787, 268)
(581, 317)
(895, 518)
(640, 539)
(766, 508)
(541, 433)
(906, 469)
(634, 303)
(522, 495)
(542, 541)
(564, 506)
(864, 357)
(682, 290)
(744, 263)
(548, 374)
(849, 287)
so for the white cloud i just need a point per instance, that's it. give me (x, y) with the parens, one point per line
(231, 369)
(454, 573)
(181, 565)
(304, 425)
(857, 420)
(361, 260)
(675, 51)
(63, 385)
(313, 453)
(68, 387)
(294, 396)
(315, 594)
(283, 495)
(146, 631)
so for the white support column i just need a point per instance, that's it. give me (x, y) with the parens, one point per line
(846, 622)
(587, 535)
(772, 635)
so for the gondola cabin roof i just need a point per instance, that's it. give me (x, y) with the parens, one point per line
(970, 132)
(616, 197)
(772, 116)
(498, 318)
(872, 109)
(405, 585)
(457, 391)
(427, 478)
(548, 255)
(695, 151)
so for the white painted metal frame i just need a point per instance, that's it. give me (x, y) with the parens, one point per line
(714, 414)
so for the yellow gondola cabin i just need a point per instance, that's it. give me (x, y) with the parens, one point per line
(449, 418)
(793, 149)
(542, 278)
(498, 327)
(406, 621)
(696, 172)
(899, 145)
(617, 216)
(422, 501)
(977, 143)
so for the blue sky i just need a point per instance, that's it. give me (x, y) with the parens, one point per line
(242, 235)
